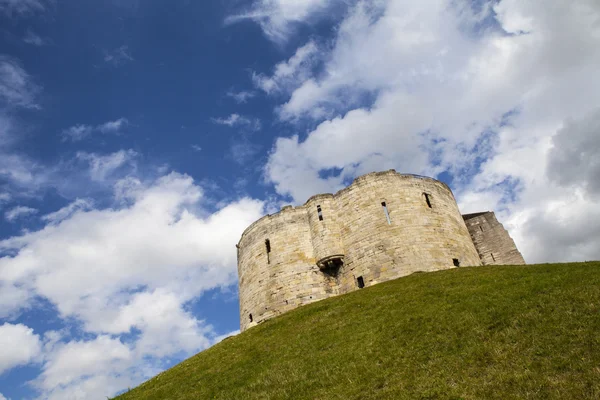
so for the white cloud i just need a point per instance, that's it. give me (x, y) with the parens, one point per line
(112, 126)
(278, 17)
(289, 74)
(13, 298)
(574, 159)
(22, 174)
(458, 90)
(103, 166)
(242, 150)
(22, 7)
(195, 147)
(20, 346)
(4, 197)
(118, 56)
(238, 120)
(130, 267)
(166, 327)
(19, 212)
(79, 132)
(80, 358)
(2, 397)
(17, 89)
(68, 211)
(241, 97)
(34, 39)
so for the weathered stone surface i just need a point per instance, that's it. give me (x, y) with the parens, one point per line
(492, 241)
(354, 228)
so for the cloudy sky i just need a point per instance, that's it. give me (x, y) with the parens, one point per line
(139, 138)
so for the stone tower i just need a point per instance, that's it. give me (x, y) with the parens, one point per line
(493, 243)
(383, 226)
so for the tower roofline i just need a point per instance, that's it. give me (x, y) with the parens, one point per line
(357, 180)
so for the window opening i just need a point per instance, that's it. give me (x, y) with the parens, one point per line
(481, 228)
(360, 282)
(251, 319)
(427, 200)
(268, 246)
(320, 213)
(493, 258)
(386, 212)
(456, 262)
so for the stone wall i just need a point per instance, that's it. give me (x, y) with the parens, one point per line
(313, 258)
(492, 241)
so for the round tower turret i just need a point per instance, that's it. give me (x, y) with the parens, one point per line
(325, 231)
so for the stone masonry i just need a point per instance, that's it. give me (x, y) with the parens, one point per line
(492, 241)
(383, 226)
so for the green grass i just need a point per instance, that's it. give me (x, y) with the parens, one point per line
(510, 332)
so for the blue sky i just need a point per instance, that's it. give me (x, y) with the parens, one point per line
(139, 139)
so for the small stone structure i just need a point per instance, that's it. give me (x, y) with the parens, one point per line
(383, 226)
(492, 241)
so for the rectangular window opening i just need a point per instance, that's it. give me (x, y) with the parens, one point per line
(268, 246)
(320, 213)
(360, 282)
(493, 258)
(427, 200)
(481, 228)
(386, 212)
(456, 262)
(251, 319)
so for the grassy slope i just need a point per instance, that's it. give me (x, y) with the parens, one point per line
(467, 333)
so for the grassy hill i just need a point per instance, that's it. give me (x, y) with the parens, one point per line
(526, 332)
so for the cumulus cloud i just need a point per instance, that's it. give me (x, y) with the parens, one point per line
(490, 95)
(277, 18)
(19, 212)
(75, 359)
(17, 88)
(20, 346)
(79, 132)
(129, 268)
(574, 159)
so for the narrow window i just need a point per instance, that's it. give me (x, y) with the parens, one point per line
(360, 282)
(268, 246)
(251, 319)
(493, 258)
(387, 214)
(427, 200)
(320, 213)
(456, 262)
(481, 228)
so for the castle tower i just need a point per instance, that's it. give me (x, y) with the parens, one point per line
(492, 241)
(383, 226)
